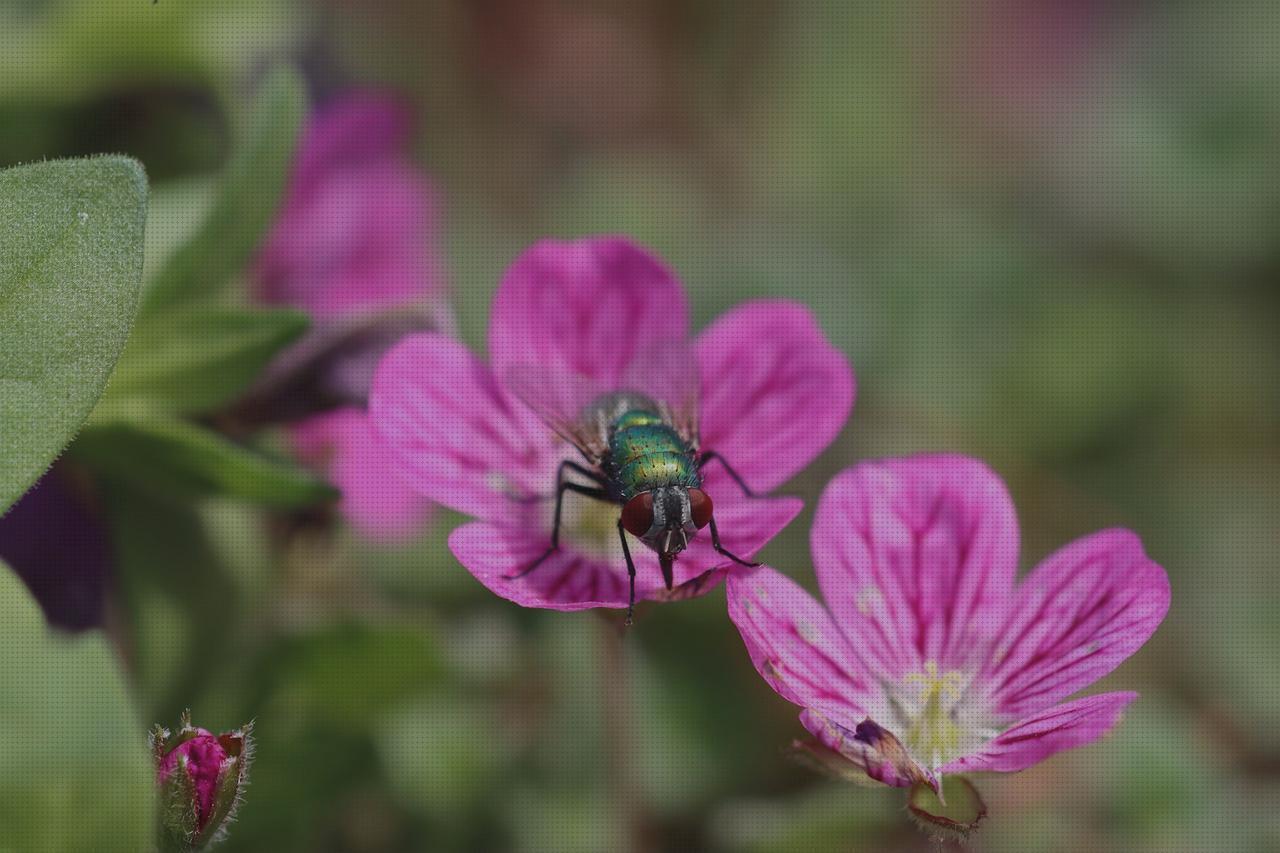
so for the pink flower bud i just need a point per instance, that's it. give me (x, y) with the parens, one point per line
(200, 776)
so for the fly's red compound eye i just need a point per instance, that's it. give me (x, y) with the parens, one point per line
(637, 514)
(700, 507)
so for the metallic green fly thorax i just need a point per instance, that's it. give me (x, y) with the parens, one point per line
(645, 453)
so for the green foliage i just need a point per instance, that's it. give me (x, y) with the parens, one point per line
(70, 266)
(72, 49)
(247, 198)
(193, 359)
(179, 603)
(177, 458)
(348, 675)
(75, 771)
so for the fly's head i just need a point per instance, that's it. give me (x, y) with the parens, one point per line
(666, 519)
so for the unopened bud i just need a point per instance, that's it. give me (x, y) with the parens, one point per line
(201, 777)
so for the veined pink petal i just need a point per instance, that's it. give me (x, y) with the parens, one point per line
(795, 645)
(586, 307)
(775, 392)
(916, 559)
(567, 580)
(572, 580)
(1083, 611)
(455, 436)
(1052, 730)
(374, 498)
(870, 746)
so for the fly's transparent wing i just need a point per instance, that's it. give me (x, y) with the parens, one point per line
(562, 401)
(666, 372)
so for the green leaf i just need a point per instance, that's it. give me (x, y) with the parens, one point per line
(174, 458)
(192, 360)
(180, 607)
(247, 199)
(75, 771)
(70, 268)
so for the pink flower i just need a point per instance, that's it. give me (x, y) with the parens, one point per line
(774, 393)
(353, 247)
(927, 657)
(355, 230)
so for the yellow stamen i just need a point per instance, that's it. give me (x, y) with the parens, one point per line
(932, 734)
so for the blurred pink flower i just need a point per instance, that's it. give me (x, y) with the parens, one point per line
(357, 225)
(774, 393)
(927, 657)
(354, 247)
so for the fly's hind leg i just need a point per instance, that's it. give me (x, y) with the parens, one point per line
(562, 486)
(711, 455)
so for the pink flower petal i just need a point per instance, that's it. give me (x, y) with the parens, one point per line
(916, 558)
(870, 746)
(1052, 730)
(586, 307)
(775, 392)
(360, 127)
(795, 645)
(566, 580)
(374, 499)
(455, 437)
(1083, 611)
(572, 580)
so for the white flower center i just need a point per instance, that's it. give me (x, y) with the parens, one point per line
(937, 720)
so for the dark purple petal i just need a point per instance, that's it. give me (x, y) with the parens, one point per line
(1082, 612)
(775, 392)
(916, 559)
(60, 550)
(1037, 737)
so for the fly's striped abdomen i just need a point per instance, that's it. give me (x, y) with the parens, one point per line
(645, 453)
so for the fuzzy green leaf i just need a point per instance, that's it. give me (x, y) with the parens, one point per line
(75, 771)
(176, 458)
(192, 360)
(70, 269)
(247, 198)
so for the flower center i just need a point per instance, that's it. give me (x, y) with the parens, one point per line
(938, 717)
(587, 526)
(934, 734)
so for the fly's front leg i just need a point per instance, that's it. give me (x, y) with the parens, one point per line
(710, 455)
(631, 570)
(562, 486)
(720, 549)
(566, 465)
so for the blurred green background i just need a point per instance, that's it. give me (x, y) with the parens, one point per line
(1046, 233)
